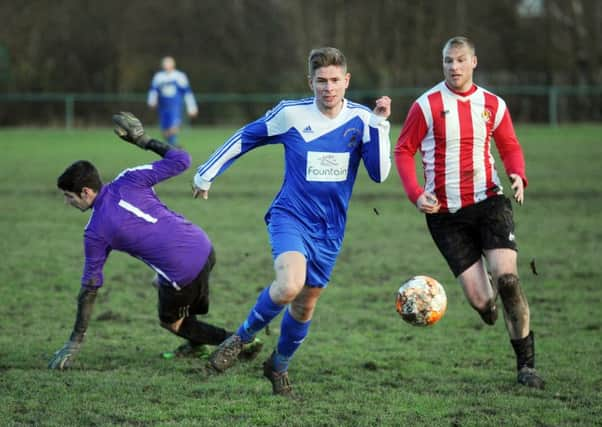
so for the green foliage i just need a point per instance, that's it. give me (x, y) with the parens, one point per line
(361, 365)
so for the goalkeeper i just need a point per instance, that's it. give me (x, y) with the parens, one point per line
(128, 216)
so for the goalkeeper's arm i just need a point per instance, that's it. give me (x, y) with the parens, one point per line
(63, 358)
(129, 128)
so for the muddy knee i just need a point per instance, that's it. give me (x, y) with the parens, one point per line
(509, 288)
(515, 303)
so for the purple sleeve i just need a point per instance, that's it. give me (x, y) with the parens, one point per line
(96, 251)
(174, 163)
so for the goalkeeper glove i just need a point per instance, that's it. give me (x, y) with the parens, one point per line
(63, 358)
(129, 128)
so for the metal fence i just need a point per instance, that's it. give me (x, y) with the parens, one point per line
(544, 104)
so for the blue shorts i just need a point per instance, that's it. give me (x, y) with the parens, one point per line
(169, 119)
(321, 254)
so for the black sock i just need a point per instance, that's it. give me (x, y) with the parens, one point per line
(525, 351)
(202, 333)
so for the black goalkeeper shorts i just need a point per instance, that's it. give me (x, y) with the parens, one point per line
(190, 299)
(462, 236)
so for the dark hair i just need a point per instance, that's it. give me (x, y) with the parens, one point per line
(323, 57)
(79, 175)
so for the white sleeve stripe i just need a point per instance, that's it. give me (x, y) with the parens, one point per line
(190, 102)
(225, 146)
(270, 115)
(136, 211)
(152, 97)
(217, 156)
(210, 171)
(501, 110)
(384, 149)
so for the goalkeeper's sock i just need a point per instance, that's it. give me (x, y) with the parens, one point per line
(198, 332)
(172, 139)
(261, 314)
(292, 335)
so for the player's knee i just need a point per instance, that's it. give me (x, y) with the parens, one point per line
(508, 285)
(285, 289)
(482, 304)
(302, 312)
(286, 292)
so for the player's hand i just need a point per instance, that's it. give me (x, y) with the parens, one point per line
(383, 107)
(196, 192)
(63, 358)
(519, 188)
(200, 187)
(427, 203)
(193, 114)
(129, 128)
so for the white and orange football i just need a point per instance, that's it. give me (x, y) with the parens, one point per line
(421, 301)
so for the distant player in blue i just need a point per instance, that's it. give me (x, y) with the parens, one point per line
(128, 216)
(325, 138)
(168, 92)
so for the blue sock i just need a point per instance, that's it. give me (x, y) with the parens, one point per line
(261, 314)
(172, 139)
(292, 334)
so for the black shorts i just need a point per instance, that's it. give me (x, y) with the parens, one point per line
(190, 299)
(462, 236)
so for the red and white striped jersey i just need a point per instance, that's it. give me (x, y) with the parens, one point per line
(453, 132)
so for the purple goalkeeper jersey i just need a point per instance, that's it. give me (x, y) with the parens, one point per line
(128, 216)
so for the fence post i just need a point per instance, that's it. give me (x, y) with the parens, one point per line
(553, 105)
(69, 107)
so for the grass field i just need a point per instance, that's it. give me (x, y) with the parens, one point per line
(361, 365)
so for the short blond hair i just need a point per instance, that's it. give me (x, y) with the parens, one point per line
(459, 41)
(323, 57)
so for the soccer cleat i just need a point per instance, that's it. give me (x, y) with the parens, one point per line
(250, 350)
(188, 350)
(226, 354)
(528, 376)
(281, 384)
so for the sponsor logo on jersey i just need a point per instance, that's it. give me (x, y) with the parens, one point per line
(169, 90)
(308, 129)
(327, 167)
(353, 137)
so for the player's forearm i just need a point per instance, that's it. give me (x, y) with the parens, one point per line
(407, 172)
(191, 106)
(377, 152)
(85, 304)
(222, 158)
(159, 147)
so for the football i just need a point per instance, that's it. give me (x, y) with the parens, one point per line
(421, 301)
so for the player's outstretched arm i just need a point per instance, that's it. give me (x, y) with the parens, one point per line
(130, 129)
(64, 357)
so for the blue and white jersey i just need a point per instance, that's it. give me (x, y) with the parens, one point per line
(322, 156)
(169, 90)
